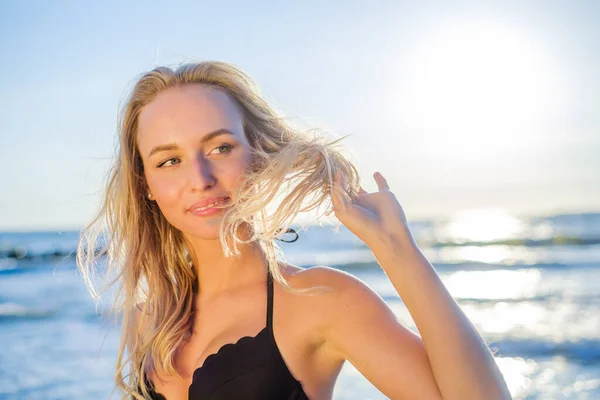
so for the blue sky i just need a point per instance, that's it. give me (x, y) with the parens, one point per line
(463, 106)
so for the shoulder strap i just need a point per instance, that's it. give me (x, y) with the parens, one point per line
(269, 300)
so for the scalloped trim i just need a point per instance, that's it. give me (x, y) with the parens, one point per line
(225, 348)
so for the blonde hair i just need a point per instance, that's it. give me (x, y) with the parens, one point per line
(142, 250)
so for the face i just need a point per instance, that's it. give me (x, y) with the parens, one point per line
(192, 143)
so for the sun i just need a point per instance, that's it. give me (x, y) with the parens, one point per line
(476, 88)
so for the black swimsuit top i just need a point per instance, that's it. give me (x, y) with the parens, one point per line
(250, 369)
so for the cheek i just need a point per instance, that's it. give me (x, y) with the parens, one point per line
(166, 192)
(232, 173)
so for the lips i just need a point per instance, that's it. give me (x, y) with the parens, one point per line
(216, 201)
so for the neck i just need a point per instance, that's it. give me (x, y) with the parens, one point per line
(218, 274)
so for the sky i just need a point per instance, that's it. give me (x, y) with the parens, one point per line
(469, 105)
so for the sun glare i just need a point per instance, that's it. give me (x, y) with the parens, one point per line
(484, 224)
(477, 85)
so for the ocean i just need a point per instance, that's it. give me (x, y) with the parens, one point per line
(530, 285)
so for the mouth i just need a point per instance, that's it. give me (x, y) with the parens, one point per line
(211, 208)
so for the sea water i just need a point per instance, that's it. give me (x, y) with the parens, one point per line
(533, 295)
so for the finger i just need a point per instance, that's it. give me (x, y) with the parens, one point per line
(382, 184)
(362, 191)
(340, 179)
(338, 196)
(337, 178)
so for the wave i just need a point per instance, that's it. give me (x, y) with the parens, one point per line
(548, 298)
(552, 298)
(584, 350)
(14, 311)
(476, 266)
(23, 253)
(9, 267)
(487, 300)
(525, 242)
(28, 249)
(483, 266)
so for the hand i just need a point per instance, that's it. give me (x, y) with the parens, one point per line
(375, 218)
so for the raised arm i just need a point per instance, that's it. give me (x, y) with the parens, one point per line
(362, 329)
(451, 357)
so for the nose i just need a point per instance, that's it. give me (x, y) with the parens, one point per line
(202, 176)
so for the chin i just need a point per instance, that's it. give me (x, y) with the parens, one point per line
(206, 229)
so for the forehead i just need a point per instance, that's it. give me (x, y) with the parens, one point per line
(184, 114)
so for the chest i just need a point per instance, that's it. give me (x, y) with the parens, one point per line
(242, 353)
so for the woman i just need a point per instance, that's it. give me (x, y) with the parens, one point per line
(208, 309)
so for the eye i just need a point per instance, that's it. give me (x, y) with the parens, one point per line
(227, 148)
(222, 149)
(166, 161)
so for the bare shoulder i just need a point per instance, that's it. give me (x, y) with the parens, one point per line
(341, 284)
(344, 310)
(342, 292)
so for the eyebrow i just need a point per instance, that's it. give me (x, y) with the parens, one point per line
(172, 146)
